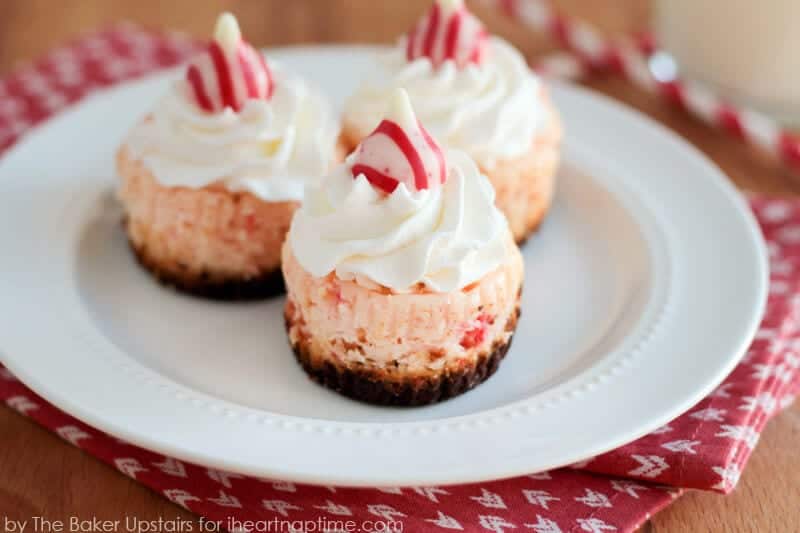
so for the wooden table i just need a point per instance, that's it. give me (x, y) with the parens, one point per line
(40, 475)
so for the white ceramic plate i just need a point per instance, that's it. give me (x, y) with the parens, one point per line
(642, 291)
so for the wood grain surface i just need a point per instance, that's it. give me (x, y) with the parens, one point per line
(40, 475)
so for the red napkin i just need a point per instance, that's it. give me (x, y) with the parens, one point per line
(706, 448)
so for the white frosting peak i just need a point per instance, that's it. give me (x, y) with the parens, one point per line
(270, 148)
(227, 32)
(492, 110)
(443, 238)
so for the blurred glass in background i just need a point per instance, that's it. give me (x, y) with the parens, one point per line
(749, 51)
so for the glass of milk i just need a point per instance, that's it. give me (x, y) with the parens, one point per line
(749, 51)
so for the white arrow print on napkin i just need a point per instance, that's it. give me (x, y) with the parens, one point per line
(430, 492)
(594, 525)
(34, 82)
(745, 434)
(789, 234)
(490, 500)
(722, 391)
(681, 446)
(650, 466)
(582, 464)
(335, 509)
(52, 102)
(180, 497)
(628, 487)
(67, 73)
(776, 212)
(666, 428)
(386, 512)
(391, 490)
(541, 475)
(539, 497)
(781, 372)
(72, 434)
(222, 477)
(786, 401)
(544, 525)
(129, 466)
(594, 499)
(171, 466)
(445, 522)
(751, 354)
(775, 347)
(281, 507)
(778, 287)
(765, 401)
(761, 371)
(16, 127)
(774, 251)
(284, 486)
(709, 414)
(495, 523)
(21, 404)
(781, 267)
(730, 476)
(11, 107)
(225, 500)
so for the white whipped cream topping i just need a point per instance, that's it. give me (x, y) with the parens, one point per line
(491, 111)
(444, 238)
(270, 148)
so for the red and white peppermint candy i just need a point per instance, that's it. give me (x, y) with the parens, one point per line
(230, 71)
(448, 32)
(400, 150)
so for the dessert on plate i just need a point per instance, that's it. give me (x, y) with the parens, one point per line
(211, 177)
(403, 279)
(474, 92)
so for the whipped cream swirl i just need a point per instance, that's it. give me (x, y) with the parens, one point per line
(443, 238)
(271, 149)
(491, 110)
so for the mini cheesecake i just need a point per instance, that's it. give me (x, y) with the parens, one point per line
(403, 278)
(211, 177)
(475, 93)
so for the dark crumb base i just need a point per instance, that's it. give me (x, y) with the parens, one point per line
(367, 386)
(265, 286)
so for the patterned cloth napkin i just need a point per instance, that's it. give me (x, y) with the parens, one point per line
(706, 448)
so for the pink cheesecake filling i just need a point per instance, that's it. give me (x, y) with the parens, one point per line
(353, 324)
(210, 230)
